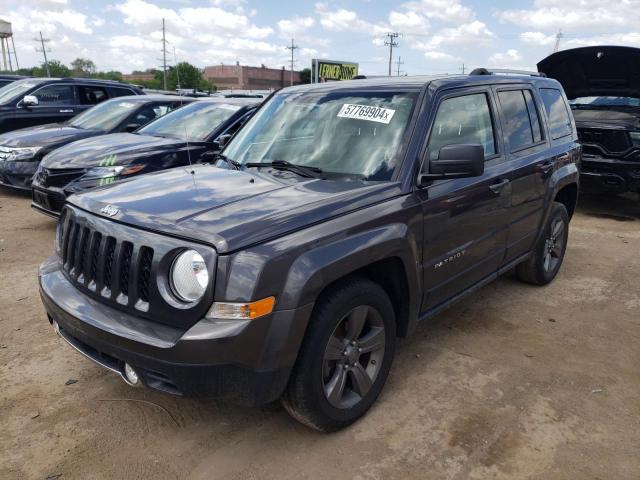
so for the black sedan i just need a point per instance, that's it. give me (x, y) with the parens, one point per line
(22, 150)
(191, 134)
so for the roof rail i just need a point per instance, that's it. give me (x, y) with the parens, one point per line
(484, 71)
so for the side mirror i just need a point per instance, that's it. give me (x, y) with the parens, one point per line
(30, 101)
(223, 140)
(132, 127)
(456, 161)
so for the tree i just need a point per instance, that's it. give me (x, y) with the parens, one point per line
(305, 75)
(183, 75)
(83, 67)
(56, 68)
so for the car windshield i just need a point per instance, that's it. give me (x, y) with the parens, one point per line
(345, 133)
(16, 89)
(605, 102)
(196, 121)
(105, 116)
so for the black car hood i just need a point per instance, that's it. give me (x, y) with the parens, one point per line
(605, 118)
(119, 147)
(45, 136)
(229, 209)
(595, 71)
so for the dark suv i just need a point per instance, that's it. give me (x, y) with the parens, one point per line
(36, 101)
(339, 216)
(603, 86)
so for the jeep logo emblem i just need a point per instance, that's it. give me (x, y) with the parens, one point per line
(109, 210)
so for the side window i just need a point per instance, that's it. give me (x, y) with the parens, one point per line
(534, 116)
(120, 92)
(56, 95)
(518, 122)
(90, 95)
(235, 127)
(557, 112)
(460, 120)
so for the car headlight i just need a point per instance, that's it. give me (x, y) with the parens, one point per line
(107, 175)
(17, 154)
(635, 138)
(189, 276)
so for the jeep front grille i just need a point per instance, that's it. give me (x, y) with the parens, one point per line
(105, 265)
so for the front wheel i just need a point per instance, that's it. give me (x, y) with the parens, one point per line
(345, 358)
(545, 262)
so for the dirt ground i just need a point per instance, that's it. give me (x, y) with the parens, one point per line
(514, 382)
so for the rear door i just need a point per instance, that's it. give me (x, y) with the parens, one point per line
(57, 102)
(529, 160)
(465, 220)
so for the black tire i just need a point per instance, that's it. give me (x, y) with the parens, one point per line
(306, 397)
(550, 248)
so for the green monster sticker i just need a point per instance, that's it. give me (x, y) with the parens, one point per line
(108, 161)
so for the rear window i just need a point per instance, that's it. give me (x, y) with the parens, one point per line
(557, 112)
(522, 125)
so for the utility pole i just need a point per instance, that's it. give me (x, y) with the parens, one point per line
(391, 43)
(164, 57)
(559, 35)
(463, 69)
(293, 47)
(44, 51)
(398, 63)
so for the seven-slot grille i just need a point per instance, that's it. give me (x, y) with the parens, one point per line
(116, 270)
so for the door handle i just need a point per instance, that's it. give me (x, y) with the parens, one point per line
(498, 186)
(545, 167)
(66, 110)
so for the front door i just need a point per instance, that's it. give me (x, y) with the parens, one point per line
(465, 220)
(56, 103)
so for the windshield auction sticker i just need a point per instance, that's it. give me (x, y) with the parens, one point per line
(366, 112)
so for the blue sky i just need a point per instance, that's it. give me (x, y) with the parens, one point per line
(438, 36)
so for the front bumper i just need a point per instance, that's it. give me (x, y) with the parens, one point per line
(49, 201)
(245, 362)
(17, 175)
(600, 174)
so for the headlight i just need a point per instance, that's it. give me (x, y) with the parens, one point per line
(13, 154)
(635, 138)
(189, 276)
(107, 175)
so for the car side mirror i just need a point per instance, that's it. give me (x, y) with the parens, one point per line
(30, 101)
(132, 127)
(223, 140)
(456, 161)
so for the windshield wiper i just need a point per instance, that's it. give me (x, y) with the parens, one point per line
(305, 171)
(232, 163)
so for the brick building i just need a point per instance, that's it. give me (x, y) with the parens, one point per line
(136, 77)
(238, 77)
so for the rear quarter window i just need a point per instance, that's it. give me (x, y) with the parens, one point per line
(557, 113)
(120, 92)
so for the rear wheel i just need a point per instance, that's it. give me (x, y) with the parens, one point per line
(345, 358)
(545, 262)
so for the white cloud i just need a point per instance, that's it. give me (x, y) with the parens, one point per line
(439, 56)
(537, 38)
(295, 27)
(443, 10)
(408, 22)
(505, 59)
(467, 34)
(343, 20)
(574, 14)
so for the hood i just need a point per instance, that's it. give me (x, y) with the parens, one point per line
(119, 148)
(45, 136)
(600, 118)
(228, 209)
(595, 71)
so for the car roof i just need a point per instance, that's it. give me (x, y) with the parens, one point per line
(420, 81)
(114, 83)
(154, 97)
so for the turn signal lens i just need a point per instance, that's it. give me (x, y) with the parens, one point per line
(132, 169)
(242, 311)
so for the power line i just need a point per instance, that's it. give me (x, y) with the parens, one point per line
(44, 51)
(293, 47)
(391, 43)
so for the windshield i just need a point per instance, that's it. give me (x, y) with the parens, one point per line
(105, 116)
(353, 134)
(605, 102)
(17, 89)
(196, 121)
